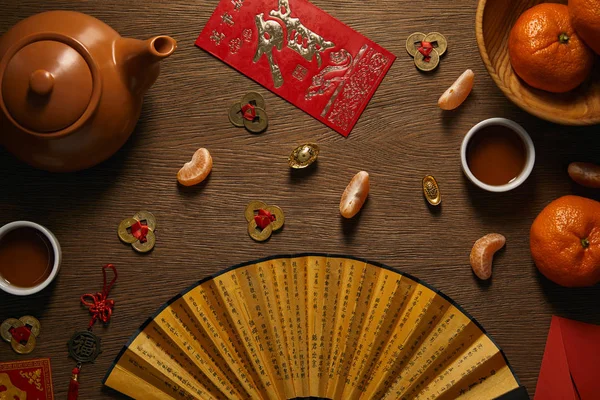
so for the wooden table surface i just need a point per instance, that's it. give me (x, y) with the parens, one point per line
(401, 137)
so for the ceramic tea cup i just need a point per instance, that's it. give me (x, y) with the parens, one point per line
(512, 128)
(13, 242)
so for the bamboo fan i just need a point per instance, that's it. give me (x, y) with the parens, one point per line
(311, 326)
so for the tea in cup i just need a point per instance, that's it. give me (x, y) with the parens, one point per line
(30, 258)
(497, 155)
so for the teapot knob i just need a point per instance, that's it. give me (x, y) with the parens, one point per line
(41, 82)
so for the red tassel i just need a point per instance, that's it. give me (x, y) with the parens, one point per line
(74, 385)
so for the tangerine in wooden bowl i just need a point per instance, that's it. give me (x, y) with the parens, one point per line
(494, 21)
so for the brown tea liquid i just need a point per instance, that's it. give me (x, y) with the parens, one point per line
(496, 155)
(26, 257)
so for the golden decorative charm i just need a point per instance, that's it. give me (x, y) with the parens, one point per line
(11, 330)
(428, 59)
(431, 190)
(139, 231)
(259, 213)
(303, 156)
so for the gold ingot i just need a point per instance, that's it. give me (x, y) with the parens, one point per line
(123, 231)
(145, 216)
(252, 208)
(260, 235)
(24, 348)
(430, 65)
(33, 323)
(5, 328)
(259, 123)
(413, 42)
(303, 156)
(146, 246)
(438, 41)
(235, 115)
(431, 190)
(254, 99)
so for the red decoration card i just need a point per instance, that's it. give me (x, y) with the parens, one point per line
(301, 53)
(28, 379)
(571, 362)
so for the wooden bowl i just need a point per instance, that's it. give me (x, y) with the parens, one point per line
(495, 19)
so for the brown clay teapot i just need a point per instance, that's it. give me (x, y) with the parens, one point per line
(71, 88)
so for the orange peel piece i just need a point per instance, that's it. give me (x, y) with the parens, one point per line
(355, 195)
(195, 171)
(456, 94)
(483, 252)
(585, 174)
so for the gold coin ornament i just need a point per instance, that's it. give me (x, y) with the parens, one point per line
(250, 113)
(235, 115)
(431, 190)
(138, 231)
(426, 49)
(303, 156)
(263, 220)
(21, 333)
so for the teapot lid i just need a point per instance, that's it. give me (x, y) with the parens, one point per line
(48, 84)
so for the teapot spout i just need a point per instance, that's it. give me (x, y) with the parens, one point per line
(139, 60)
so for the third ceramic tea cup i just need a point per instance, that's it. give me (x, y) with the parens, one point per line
(527, 143)
(54, 252)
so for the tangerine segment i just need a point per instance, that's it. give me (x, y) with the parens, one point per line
(196, 170)
(565, 241)
(585, 174)
(456, 94)
(355, 195)
(483, 252)
(546, 52)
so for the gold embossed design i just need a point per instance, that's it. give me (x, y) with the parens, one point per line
(298, 34)
(348, 98)
(12, 392)
(34, 378)
(270, 34)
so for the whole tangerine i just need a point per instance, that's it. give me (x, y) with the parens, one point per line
(565, 241)
(546, 52)
(585, 17)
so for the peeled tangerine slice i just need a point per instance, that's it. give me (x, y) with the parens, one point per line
(458, 92)
(355, 195)
(483, 252)
(195, 171)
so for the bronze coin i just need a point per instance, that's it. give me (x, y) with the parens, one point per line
(430, 65)
(33, 323)
(235, 115)
(5, 328)
(147, 246)
(439, 42)
(279, 217)
(303, 156)
(254, 99)
(24, 348)
(84, 346)
(148, 218)
(259, 123)
(123, 232)
(260, 235)
(431, 190)
(413, 42)
(252, 208)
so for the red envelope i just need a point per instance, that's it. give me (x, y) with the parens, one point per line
(571, 364)
(301, 53)
(26, 379)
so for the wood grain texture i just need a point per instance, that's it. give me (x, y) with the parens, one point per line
(401, 137)
(494, 21)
